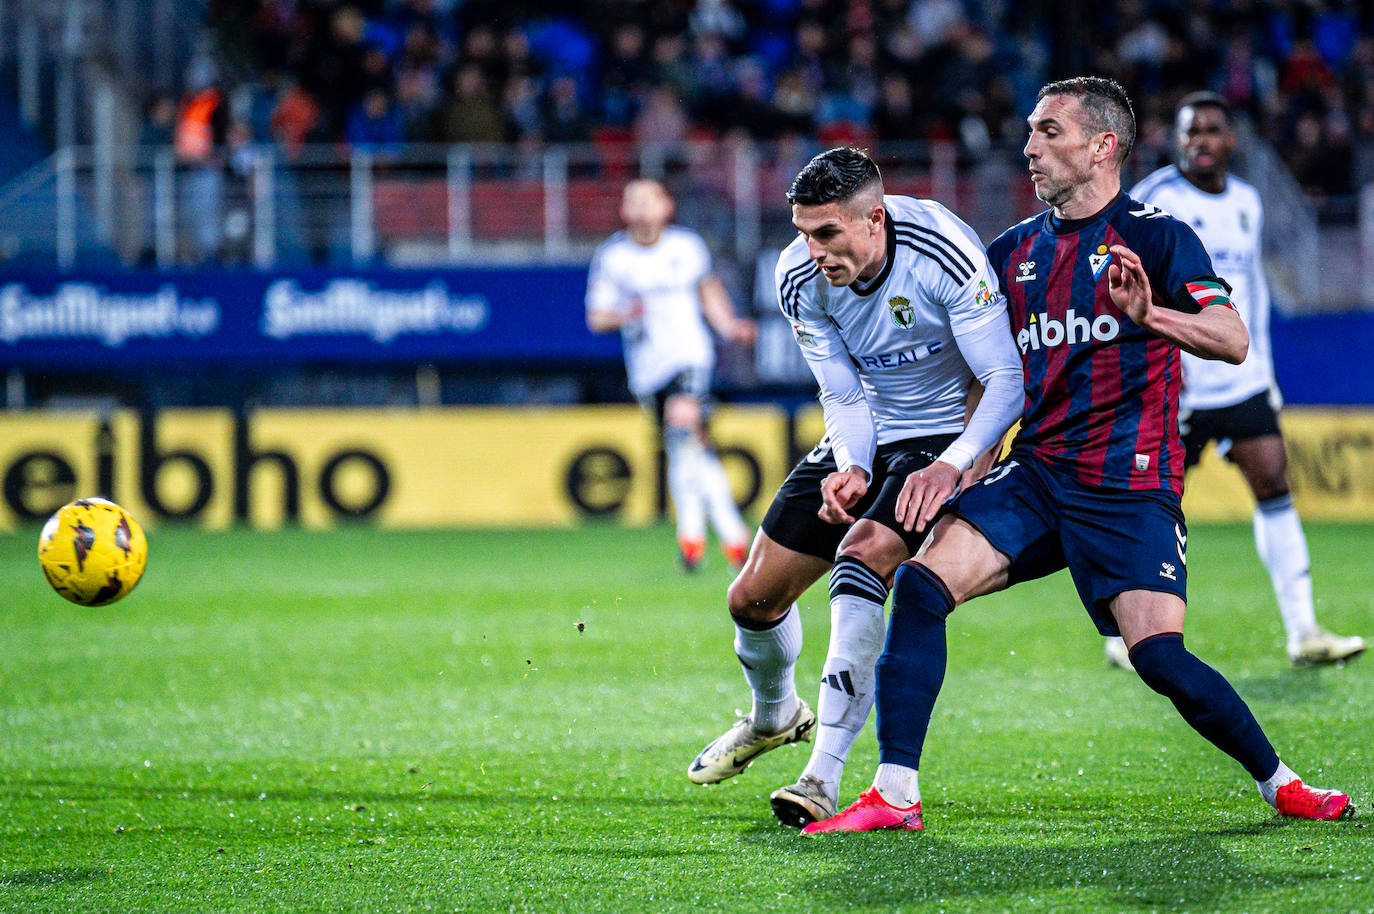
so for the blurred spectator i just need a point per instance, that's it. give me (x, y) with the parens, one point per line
(565, 121)
(375, 123)
(471, 115)
(202, 126)
(332, 67)
(661, 127)
(625, 77)
(159, 124)
(295, 118)
(964, 70)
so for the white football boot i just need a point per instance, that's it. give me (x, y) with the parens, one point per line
(735, 749)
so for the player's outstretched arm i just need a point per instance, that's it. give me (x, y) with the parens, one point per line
(1216, 332)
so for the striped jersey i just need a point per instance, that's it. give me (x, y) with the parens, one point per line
(660, 282)
(1229, 225)
(1101, 392)
(898, 328)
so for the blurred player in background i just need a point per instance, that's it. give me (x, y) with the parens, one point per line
(1234, 405)
(1103, 292)
(898, 315)
(653, 282)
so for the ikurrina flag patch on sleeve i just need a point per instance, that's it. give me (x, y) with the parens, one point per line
(1206, 292)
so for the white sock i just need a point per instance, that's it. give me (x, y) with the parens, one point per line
(683, 483)
(847, 682)
(768, 658)
(1283, 549)
(897, 785)
(1269, 789)
(714, 486)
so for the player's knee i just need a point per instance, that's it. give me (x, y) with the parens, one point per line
(1160, 661)
(682, 411)
(752, 604)
(917, 589)
(1271, 488)
(853, 577)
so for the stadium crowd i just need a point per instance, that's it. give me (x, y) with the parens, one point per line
(374, 73)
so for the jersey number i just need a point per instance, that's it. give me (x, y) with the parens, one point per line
(998, 473)
(820, 452)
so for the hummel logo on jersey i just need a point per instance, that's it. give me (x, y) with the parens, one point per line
(1098, 261)
(840, 682)
(903, 315)
(1044, 331)
(1025, 271)
(1166, 570)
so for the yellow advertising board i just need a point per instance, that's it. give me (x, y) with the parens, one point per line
(1330, 469)
(475, 467)
(467, 467)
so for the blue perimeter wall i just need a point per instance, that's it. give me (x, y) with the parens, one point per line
(517, 318)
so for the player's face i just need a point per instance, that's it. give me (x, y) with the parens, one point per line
(846, 238)
(1060, 149)
(1205, 140)
(646, 209)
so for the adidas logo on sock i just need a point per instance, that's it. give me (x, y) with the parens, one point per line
(840, 682)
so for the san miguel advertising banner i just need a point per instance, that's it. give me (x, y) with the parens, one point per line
(491, 467)
(241, 317)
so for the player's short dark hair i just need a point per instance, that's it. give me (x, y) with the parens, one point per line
(1205, 100)
(836, 174)
(1107, 105)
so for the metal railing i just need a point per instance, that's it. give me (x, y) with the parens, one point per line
(261, 206)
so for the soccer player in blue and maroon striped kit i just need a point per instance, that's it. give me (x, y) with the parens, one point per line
(1102, 292)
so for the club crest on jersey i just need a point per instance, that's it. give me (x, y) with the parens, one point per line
(903, 315)
(1025, 271)
(1099, 259)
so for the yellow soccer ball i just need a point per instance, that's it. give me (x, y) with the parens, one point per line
(92, 552)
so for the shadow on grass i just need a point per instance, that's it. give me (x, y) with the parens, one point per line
(1200, 870)
(1288, 687)
(51, 877)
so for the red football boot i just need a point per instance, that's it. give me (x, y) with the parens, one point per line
(870, 813)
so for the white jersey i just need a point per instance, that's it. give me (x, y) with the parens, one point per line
(898, 330)
(1229, 225)
(659, 282)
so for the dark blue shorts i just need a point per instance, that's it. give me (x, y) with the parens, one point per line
(1111, 540)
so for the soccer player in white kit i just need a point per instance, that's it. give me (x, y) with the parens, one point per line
(653, 282)
(897, 312)
(1235, 404)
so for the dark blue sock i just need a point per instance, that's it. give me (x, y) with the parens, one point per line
(912, 666)
(1206, 701)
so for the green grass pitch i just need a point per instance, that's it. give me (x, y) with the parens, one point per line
(491, 721)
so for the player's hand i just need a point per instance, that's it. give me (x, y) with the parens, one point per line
(839, 492)
(743, 331)
(923, 493)
(1129, 285)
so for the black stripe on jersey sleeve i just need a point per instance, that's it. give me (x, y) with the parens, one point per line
(792, 283)
(788, 285)
(940, 241)
(938, 256)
